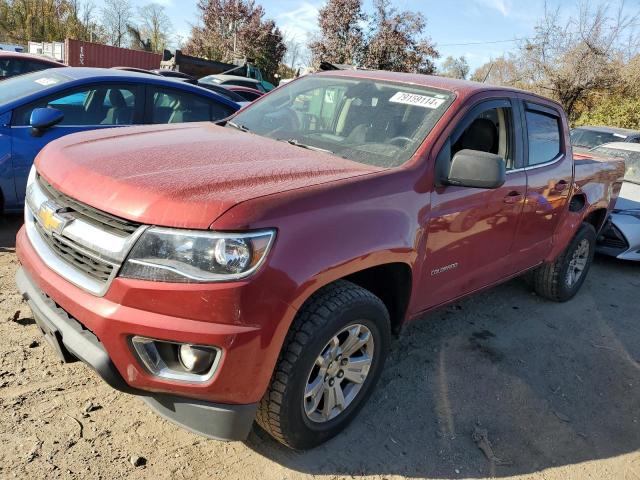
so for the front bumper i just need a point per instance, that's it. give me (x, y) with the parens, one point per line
(72, 341)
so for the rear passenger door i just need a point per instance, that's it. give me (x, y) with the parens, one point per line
(549, 170)
(169, 105)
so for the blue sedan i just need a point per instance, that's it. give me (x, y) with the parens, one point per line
(39, 107)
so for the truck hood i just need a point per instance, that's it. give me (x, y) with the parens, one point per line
(183, 175)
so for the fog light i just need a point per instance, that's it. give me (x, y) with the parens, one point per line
(196, 359)
(177, 361)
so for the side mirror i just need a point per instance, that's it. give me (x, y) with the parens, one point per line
(43, 118)
(475, 169)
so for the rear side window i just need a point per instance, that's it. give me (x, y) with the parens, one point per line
(544, 137)
(172, 106)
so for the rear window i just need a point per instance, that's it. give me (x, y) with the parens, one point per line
(24, 85)
(544, 137)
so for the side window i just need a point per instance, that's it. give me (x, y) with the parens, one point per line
(490, 131)
(172, 106)
(96, 105)
(543, 131)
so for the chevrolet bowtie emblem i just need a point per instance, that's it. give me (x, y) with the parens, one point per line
(49, 218)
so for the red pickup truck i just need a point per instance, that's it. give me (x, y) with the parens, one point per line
(255, 270)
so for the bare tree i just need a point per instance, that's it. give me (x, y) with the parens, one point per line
(293, 56)
(455, 67)
(155, 27)
(504, 70)
(570, 60)
(116, 15)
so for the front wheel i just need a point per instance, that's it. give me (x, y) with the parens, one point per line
(561, 280)
(328, 367)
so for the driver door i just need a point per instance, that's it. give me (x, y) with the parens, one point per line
(471, 231)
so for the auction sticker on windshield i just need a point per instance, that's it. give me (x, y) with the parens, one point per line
(417, 100)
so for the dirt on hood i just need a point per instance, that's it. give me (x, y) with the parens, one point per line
(183, 175)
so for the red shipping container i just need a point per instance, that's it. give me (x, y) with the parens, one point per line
(87, 54)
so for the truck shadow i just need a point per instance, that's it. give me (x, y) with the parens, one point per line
(9, 226)
(533, 383)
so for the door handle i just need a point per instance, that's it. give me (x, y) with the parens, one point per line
(560, 186)
(513, 197)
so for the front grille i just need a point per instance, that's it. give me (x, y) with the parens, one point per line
(88, 265)
(89, 214)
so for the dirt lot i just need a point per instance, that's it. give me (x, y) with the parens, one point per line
(555, 389)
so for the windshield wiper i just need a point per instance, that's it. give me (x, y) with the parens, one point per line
(242, 128)
(297, 143)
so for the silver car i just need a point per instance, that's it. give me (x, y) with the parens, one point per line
(621, 235)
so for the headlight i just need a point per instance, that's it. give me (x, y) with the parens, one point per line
(192, 256)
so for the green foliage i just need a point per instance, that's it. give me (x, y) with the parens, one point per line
(613, 111)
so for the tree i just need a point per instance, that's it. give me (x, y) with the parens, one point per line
(341, 39)
(571, 60)
(503, 71)
(45, 20)
(396, 42)
(116, 15)
(153, 32)
(234, 28)
(455, 68)
(293, 55)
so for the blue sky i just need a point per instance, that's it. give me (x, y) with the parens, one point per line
(449, 22)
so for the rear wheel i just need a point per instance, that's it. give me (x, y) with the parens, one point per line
(561, 280)
(329, 365)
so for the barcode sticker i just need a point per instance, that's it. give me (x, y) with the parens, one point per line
(417, 100)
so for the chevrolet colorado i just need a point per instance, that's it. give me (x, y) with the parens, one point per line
(255, 270)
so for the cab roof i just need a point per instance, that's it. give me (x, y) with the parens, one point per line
(5, 54)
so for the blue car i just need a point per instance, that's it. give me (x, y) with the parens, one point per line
(39, 107)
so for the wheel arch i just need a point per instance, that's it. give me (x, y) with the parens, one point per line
(391, 282)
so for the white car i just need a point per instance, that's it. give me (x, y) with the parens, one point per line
(621, 235)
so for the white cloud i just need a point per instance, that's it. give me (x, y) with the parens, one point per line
(300, 23)
(502, 6)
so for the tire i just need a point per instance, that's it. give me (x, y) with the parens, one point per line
(341, 307)
(553, 280)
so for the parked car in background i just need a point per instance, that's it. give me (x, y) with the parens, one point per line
(11, 47)
(621, 235)
(39, 107)
(174, 74)
(256, 270)
(585, 138)
(225, 92)
(227, 80)
(14, 63)
(249, 94)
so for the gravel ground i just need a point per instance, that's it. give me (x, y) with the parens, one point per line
(503, 384)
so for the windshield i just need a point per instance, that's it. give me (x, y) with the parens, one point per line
(371, 122)
(581, 137)
(15, 88)
(631, 161)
